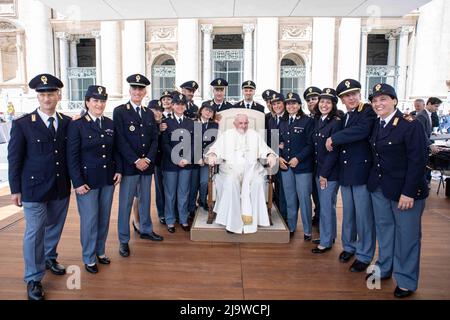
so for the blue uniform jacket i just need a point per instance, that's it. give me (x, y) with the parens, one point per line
(209, 132)
(191, 111)
(272, 125)
(355, 154)
(224, 106)
(37, 160)
(255, 106)
(297, 142)
(186, 128)
(400, 156)
(327, 164)
(136, 137)
(92, 154)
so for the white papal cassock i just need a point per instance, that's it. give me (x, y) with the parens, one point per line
(240, 198)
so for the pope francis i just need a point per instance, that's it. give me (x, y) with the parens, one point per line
(240, 201)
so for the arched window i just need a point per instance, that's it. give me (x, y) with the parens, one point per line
(163, 75)
(292, 74)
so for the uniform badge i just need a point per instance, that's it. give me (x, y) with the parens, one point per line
(33, 118)
(347, 84)
(219, 82)
(193, 84)
(267, 93)
(274, 96)
(132, 128)
(290, 95)
(138, 78)
(394, 124)
(100, 90)
(128, 106)
(328, 91)
(310, 90)
(87, 118)
(378, 87)
(44, 79)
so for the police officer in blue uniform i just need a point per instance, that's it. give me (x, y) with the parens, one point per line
(398, 189)
(267, 97)
(188, 89)
(358, 229)
(95, 167)
(218, 102)
(39, 180)
(311, 96)
(248, 91)
(177, 167)
(202, 140)
(273, 141)
(327, 123)
(137, 138)
(296, 164)
(166, 103)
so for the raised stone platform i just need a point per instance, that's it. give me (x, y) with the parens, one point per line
(201, 231)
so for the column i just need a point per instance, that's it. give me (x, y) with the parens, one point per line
(363, 66)
(73, 52)
(402, 60)
(111, 58)
(39, 37)
(431, 63)
(207, 30)
(133, 51)
(323, 52)
(74, 63)
(98, 56)
(391, 60)
(20, 57)
(248, 51)
(349, 49)
(64, 62)
(187, 63)
(1, 65)
(267, 62)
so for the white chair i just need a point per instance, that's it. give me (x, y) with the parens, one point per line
(256, 121)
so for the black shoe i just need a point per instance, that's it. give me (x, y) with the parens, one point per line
(171, 229)
(135, 228)
(91, 269)
(162, 220)
(307, 238)
(55, 267)
(291, 234)
(35, 291)
(104, 260)
(400, 293)
(345, 256)
(358, 266)
(318, 250)
(185, 228)
(124, 250)
(316, 241)
(151, 236)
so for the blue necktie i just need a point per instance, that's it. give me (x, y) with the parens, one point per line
(138, 111)
(51, 126)
(99, 124)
